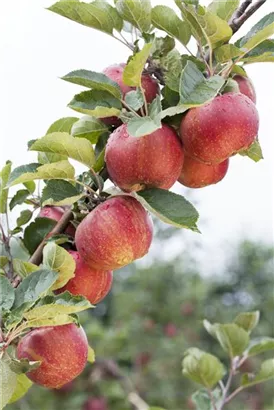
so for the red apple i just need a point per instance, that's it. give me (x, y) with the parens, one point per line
(196, 174)
(88, 282)
(170, 330)
(246, 87)
(114, 234)
(222, 127)
(154, 160)
(98, 403)
(56, 213)
(62, 350)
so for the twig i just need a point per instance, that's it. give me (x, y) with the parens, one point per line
(243, 13)
(235, 393)
(228, 383)
(212, 399)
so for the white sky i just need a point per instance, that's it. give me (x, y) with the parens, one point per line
(37, 47)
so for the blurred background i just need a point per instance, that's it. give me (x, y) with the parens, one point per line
(157, 305)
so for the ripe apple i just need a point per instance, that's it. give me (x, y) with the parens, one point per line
(96, 403)
(222, 127)
(246, 87)
(196, 174)
(88, 282)
(56, 213)
(62, 350)
(170, 330)
(154, 160)
(114, 234)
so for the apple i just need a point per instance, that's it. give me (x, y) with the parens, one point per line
(114, 234)
(154, 160)
(96, 403)
(56, 213)
(196, 174)
(170, 330)
(246, 87)
(62, 351)
(88, 282)
(219, 129)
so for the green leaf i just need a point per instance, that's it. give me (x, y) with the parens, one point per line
(226, 53)
(233, 338)
(117, 21)
(136, 12)
(23, 365)
(49, 158)
(203, 368)
(170, 208)
(23, 269)
(30, 186)
(36, 232)
(87, 14)
(24, 218)
(7, 383)
(224, 8)
(33, 286)
(97, 103)
(7, 294)
(62, 143)
(258, 33)
(4, 177)
(60, 261)
(19, 198)
(30, 172)
(195, 89)
(3, 261)
(91, 355)
(141, 126)
(60, 193)
(264, 52)
(203, 401)
(97, 81)
(254, 152)
(23, 385)
(134, 99)
(164, 18)
(265, 374)
(260, 345)
(62, 125)
(58, 320)
(172, 66)
(132, 74)
(100, 161)
(90, 128)
(248, 320)
(162, 46)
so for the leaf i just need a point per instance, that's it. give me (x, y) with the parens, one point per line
(195, 89)
(23, 365)
(224, 8)
(60, 193)
(203, 368)
(62, 125)
(136, 12)
(226, 52)
(23, 385)
(23, 269)
(164, 18)
(30, 186)
(265, 374)
(91, 355)
(60, 261)
(24, 218)
(172, 67)
(4, 177)
(19, 198)
(3, 261)
(117, 21)
(87, 14)
(56, 170)
(58, 320)
(62, 143)
(96, 81)
(202, 399)
(7, 294)
(258, 33)
(248, 320)
(233, 338)
(170, 208)
(134, 99)
(97, 103)
(90, 128)
(260, 345)
(100, 161)
(33, 286)
(7, 383)
(141, 126)
(132, 74)
(263, 52)
(162, 46)
(254, 152)
(36, 232)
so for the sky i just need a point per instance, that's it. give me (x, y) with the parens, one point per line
(38, 47)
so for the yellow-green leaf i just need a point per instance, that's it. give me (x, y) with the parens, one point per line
(91, 355)
(23, 269)
(4, 177)
(133, 71)
(8, 382)
(23, 385)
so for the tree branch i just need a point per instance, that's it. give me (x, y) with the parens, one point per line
(243, 13)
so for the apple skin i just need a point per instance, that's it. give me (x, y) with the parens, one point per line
(219, 129)
(62, 350)
(246, 87)
(196, 174)
(93, 284)
(114, 234)
(98, 403)
(154, 160)
(56, 213)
